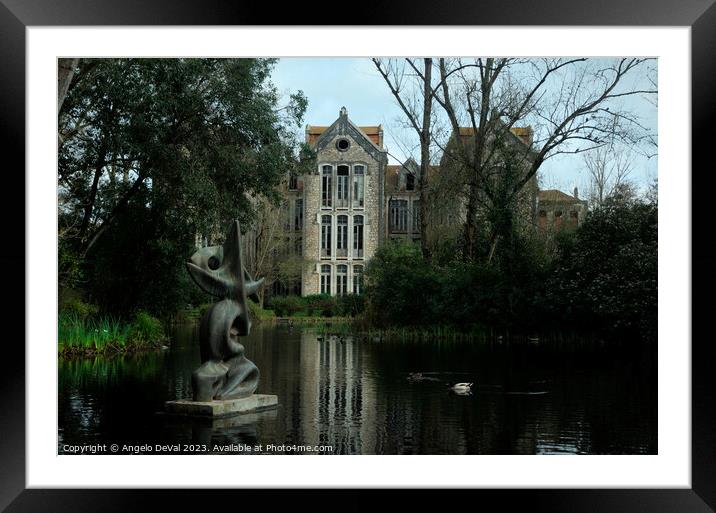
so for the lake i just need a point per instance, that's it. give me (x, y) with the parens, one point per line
(354, 397)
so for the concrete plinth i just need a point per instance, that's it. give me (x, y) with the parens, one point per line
(222, 408)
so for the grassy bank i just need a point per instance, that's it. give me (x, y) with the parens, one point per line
(358, 328)
(105, 335)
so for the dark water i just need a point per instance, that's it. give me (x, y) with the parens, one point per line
(356, 398)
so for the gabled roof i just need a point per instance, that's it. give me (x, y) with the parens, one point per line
(557, 196)
(524, 133)
(370, 138)
(374, 133)
(392, 173)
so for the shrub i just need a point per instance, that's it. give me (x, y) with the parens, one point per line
(258, 313)
(286, 305)
(350, 305)
(401, 287)
(147, 328)
(79, 308)
(606, 277)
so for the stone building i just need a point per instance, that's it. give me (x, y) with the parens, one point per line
(343, 207)
(448, 193)
(559, 211)
(352, 201)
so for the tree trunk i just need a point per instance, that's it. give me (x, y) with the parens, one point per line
(425, 155)
(89, 206)
(470, 233)
(65, 70)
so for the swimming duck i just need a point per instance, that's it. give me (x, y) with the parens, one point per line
(461, 387)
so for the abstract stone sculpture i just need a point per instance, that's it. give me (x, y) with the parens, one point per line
(225, 373)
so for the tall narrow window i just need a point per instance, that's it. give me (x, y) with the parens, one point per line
(573, 219)
(298, 215)
(286, 207)
(357, 279)
(358, 186)
(342, 280)
(298, 246)
(416, 216)
(325, 236)
(398, 215)
(292, 181)
(542, 221)
(358, 237)
(409, 182)
(342, 187)
(325, 279)
(342, 239)
(327, 186)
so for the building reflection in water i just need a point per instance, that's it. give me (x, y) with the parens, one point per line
(353, 395)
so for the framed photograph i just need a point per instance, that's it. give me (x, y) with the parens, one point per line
(482, 355)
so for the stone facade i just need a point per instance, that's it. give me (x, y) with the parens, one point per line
(352, 201)
(343, 210)
(448, 194)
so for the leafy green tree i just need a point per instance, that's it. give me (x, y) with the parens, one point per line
(153, 151)
(605, 275)
(401, 286)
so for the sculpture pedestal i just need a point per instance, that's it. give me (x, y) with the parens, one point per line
(222, 408)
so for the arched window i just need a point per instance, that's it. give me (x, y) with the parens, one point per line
(357, 236)
(342, 187)
(358, 186)
(327, 186)
(342, 239)
(326, 236)
(573, 219)
(342, 280)
(325, 279)
(542, 221)
(357, 279)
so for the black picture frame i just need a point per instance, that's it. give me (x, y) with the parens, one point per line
(700, 15)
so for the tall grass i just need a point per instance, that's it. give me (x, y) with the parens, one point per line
(78, 334)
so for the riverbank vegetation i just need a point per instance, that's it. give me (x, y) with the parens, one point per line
(600, 278)
(83, 331)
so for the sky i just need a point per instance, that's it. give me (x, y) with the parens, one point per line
(331, 83)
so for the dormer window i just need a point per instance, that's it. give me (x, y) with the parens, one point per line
(409, 182)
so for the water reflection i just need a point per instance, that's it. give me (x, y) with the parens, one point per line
(356, 396)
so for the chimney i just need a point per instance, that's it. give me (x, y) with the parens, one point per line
(576, 193)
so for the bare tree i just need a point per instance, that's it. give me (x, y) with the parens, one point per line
(272, 250)
(413, 91)
(571, 104)
(608, 169)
